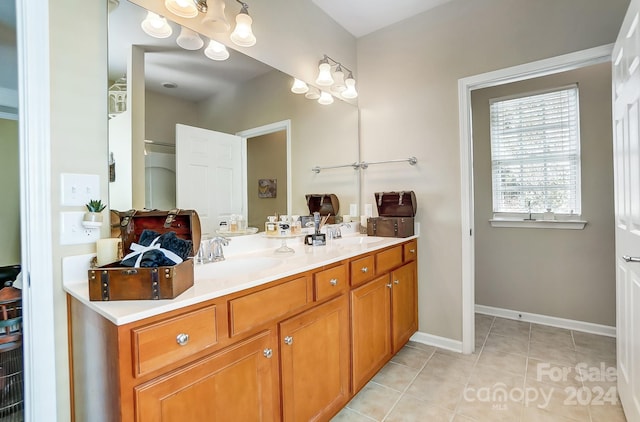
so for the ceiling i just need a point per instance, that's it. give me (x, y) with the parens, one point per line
(361, 17)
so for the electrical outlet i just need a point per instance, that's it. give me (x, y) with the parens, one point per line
(78, 189)
(72, 232)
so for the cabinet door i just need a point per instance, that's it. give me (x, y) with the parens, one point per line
(370, 329)
(404, 304)
(314, 351)
(238, 384)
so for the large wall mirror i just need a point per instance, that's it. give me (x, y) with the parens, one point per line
(177, 97)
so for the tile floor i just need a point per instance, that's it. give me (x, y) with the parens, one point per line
(520, 372)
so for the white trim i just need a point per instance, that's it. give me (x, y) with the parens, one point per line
(536, 69)
(437, 341)
(35, 210)
(538, 224)
(263, 130)
(569, 324)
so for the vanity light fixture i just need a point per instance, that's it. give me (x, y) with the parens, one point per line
(325, 98)
(324, 72)
(299, 87)
(156, 26)
(336, 81)
(215, 19)
(242, 35)
(216, 51)
(189, 40)
(182, 8)
(350, 92)
(313, 93)
(338, 78)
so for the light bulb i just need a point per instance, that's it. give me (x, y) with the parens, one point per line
(325, 98)
(182, 8)
(216, 51)
(350, 92)
(156, 26)
(324, 74)
(189, 40)
(299, 87)
(242, 35)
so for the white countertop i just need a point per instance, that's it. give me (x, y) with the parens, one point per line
(250, 261)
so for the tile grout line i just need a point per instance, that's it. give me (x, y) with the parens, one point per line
(409, 384)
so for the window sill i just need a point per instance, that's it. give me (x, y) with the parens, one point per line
(539, 224)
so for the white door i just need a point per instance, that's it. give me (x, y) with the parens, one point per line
(208, 174)
(626, 148)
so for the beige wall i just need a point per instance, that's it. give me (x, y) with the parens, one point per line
(266, 159)
(10, 188)
(78, 56)
(408, 84)
(561, 273)
(163, 112)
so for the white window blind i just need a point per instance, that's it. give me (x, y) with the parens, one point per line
(535, 152)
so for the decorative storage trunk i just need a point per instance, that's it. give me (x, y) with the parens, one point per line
(325, 204)
(115, 282)
(396, 212)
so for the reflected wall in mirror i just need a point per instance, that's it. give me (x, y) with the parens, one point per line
(232, 96)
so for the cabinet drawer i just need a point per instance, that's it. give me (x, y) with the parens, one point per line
(362, 269)
(410, 250)
(389, 259)
(256, 309)
(171, 340)
(330, 282)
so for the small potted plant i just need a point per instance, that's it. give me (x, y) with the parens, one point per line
(93, 217)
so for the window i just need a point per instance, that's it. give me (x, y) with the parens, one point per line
(535, 152)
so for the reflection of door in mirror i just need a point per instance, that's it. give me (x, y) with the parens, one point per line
(208, 174)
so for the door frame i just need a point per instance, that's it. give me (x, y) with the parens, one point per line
(32, 31)
(531, 70)
(259, 131)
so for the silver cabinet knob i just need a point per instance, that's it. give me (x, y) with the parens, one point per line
(631, 258)
(396, 281)
(182, 339)
(333, 281)
(364, 269)
(389, 285)
(412, 250)
(267, 353)
(288, 340)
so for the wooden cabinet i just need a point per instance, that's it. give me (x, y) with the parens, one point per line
(370, 329)
(294, 349)
(239, 383)
(404, 304)
(315, 362)
(384, 312)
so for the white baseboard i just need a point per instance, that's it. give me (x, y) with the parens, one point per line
(569, 324)
(437, 341)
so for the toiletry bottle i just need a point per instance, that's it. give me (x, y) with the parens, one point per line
(233, 223)
(296, 226)
(271, 227)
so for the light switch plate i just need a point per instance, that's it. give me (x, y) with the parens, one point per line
(72, 232)
(78, 189)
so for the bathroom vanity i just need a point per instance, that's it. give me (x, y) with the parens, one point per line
(257, 338)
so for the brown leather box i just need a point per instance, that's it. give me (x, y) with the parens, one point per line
(396, 212)
(115, 282)
(325, 204)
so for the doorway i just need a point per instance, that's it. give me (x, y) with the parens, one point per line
(465, 87)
